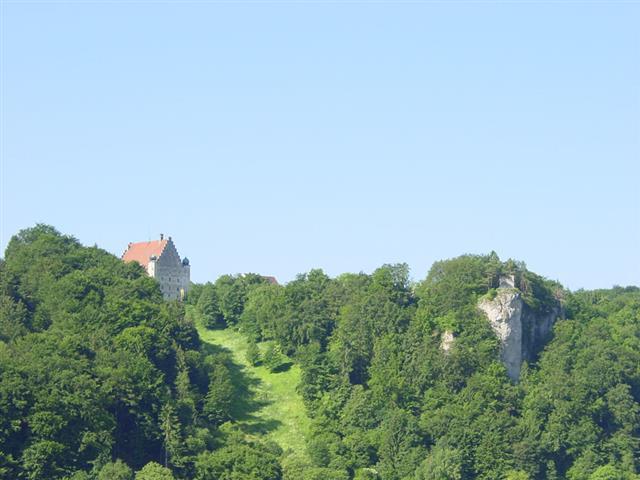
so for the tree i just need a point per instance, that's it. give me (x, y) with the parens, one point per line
(399, 450)
(117, 470)
(13, 319)
(217, 403)
(253, 353)
(154, 471)
(42, 459)
(232, 292)
(443, 463)
(263, 312)
(240, 459)
(171, 436)
(186, 394)
(209, 307)
(274, 360)
(611, 472)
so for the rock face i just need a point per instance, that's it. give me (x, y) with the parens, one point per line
(505, 315)
(521, 331)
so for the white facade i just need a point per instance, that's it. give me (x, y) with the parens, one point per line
(171, 272)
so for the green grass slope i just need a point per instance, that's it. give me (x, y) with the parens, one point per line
(272, 406)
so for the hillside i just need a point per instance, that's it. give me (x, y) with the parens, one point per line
(100, 378)
(483, 370)
(278, 411)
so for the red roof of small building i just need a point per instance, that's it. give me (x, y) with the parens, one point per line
(141, 251)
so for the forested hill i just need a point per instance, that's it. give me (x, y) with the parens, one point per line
(102, 379)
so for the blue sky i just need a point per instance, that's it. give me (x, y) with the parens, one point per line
(276, 137)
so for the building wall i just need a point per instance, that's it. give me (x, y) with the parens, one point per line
(173, 277)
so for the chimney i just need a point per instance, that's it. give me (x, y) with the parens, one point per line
(162, 236)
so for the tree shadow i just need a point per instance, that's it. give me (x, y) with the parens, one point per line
(282, 367)
(246, 402)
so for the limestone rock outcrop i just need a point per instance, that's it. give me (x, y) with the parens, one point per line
(521, 331)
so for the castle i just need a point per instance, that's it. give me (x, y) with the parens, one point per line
(162, 262)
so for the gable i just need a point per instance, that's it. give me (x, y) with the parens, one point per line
(169, 255)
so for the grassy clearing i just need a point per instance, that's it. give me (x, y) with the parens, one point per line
(273, 407)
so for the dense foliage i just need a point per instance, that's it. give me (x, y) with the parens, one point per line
(387, 402)
(100, 378)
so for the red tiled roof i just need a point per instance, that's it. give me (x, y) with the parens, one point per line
(271, 280)
(141, 251)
